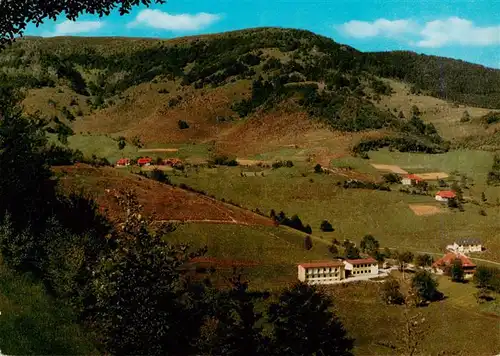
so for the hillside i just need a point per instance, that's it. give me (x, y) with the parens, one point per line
(163, 202)
(144, 88)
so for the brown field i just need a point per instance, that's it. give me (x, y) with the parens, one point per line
(433, 175)
(388, 167)
(163, 202)
(158, 150)
(423, 210)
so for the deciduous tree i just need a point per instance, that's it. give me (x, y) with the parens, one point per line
(303, 324)
(369, 245)
(425, 286)
(145, 304)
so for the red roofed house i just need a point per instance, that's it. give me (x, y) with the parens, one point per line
(325, 272)
(445, 195)
(144, 161)
(122, 162)
(411, 179)
(361, 267)
(441, 265)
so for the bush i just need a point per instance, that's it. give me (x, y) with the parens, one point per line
(182, 124)
(390, 292)
(326, 226)
(279, 164)
(392, 178)
(159, 175)
(224, 160)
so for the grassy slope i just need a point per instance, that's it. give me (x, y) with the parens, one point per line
(32, 323)
(456, 325)
(353, 212)
(274, 250)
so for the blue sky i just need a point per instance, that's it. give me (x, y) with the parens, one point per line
(462, 29)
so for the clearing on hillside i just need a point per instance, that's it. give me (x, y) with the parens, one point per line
(164, 202)
(433, 175)
(423, 210)
(159, 150)
(251, 162)
(388, 167)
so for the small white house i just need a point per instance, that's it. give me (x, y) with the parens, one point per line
(326, 272)
(466, 246)
(411, 179)
(445, 195)
(361, 267)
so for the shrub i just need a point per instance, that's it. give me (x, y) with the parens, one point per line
(390, 292)
(318, 168)
(224, 160)
(159, 175)
(326, 226)
(182, 124)
(392, 178)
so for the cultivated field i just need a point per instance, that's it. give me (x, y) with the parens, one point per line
(433, 175)
(423, 210)
(390, 168)
(158, 150)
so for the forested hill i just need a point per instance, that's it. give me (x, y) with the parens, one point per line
(446, 78)
(107, 66)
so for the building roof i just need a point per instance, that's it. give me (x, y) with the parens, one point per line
(360, 261)
(450, 257)
(468, 241)
(123, 160)
(321, 264)
(144, 160)
(413, 177)
(446, 194)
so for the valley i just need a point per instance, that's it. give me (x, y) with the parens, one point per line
(269, 120)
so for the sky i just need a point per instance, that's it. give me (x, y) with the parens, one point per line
(463, 29)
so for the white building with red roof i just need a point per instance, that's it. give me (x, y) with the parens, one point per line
(411, 179)
(445, 262)
(445, 195)
(323, 272)
(361, 267)
(122, 162)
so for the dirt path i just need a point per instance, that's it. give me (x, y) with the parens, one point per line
(205, 221)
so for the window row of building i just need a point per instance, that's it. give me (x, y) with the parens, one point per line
(328, 272)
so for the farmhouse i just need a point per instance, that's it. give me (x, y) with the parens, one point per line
(411, 179)
(445, 195)
(445, 262)
(122, 162)
(466, 246)
(326, 272)
(361, 267)
(146, 161)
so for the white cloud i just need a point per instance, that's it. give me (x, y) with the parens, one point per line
(436, 33)
(182, 22)
(380, 27)
(74, 27)
(457, 31)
